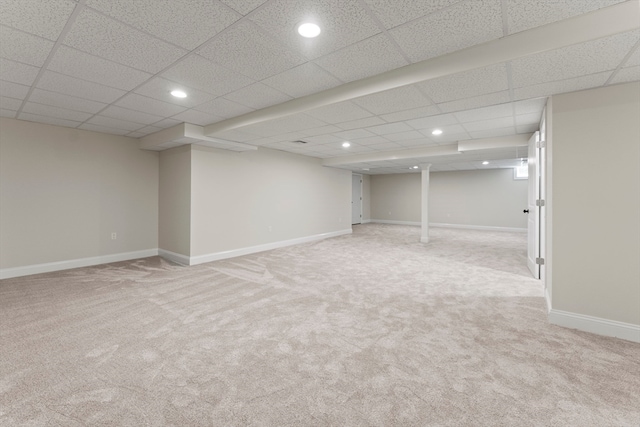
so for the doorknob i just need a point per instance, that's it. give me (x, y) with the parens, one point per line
(526, 211)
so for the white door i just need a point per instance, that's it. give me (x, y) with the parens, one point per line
(533, 223)
(356, 199)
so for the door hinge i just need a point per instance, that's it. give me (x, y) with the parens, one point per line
(540, 261)
(542, 144)
(540, 202)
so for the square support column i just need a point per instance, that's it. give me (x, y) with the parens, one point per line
(424, 237)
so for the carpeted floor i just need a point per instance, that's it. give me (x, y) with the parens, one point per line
(369, 329)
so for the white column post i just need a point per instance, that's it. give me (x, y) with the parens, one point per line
(424, 238)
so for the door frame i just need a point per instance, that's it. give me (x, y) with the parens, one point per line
(361, 189)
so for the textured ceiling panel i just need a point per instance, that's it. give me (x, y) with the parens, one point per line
(42, 18)
(462, 25)
(354, 134)
(302, 80)
(535, 105)
(73, 86)
(247, 49)
(404, 136)
(467, 84)
(223, 108)
(389, 128)
(87, 67)
(433, 122)
(13, 90)
(412, 113)
(257, 96)
(197, 117)
(160, 89)
(57, 112)
(186, 23)
(475, 102)
(51, 120)
(110, 122)
(200, 73)
(343, 23)
(573, 61)
(17, 72)
(23, 47)
(369, 57)
(568, 85)
(361, 123)
(485, 113)
(489, 124)
(523, 15)
(339, 113)
(629, 74)
(492, 133)
(388, 12)
(11, 114)
(65, 101)
(133, 101)
(103, 129)
(107, 38)
(130, 115)
(394, 100)
(10, 103)
(243, 6)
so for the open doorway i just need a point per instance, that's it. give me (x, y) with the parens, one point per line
(356, 199)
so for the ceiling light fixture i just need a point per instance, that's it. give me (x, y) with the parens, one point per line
(437, 132)
(414, 167)
(346, 144)
(308, 30)
(179, 93)
(485, 163)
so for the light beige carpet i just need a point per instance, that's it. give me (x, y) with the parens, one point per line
(370, 329)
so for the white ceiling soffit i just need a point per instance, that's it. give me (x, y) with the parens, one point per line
(440, 150)
(590, 26)
(519, 140)
(186, 133)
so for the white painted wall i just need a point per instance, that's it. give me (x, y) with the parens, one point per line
(243, 200)
(64, 191)
(174, 233)
(396, 198)
(595, 202)
(487, 198)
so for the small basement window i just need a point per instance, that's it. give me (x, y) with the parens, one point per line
(521, 172)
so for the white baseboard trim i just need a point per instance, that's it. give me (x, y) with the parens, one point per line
(390, 221)
(173, 256)
(477, 227)
(27, 270)
(595, 325)
(366, 221)
(201, 259)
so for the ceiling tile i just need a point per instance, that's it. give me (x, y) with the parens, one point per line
(200, 73)
(369, 57)
(485, 113)
(247, 50)
(186, 23)
(389, 128)
(361, 123)
(10, 103)
(573, 61)
(130, 115)
(523, 15)
(562, 86)
(413, 113)
(629, 74)
(388, 12)
(98, 35)
(23, 47)
(102, 129)
(88, 67)
(47, 120)
(223, 108)
(197, 117)
(257, 96)
(489, 124)
(433, 122)
(467, 84)
(110, 122)
(394, 100)
(147, 130)
(65, 101)
(320, 130)
(322, 139)
(56, 112)
(462, 25)
(79, 88)
(528, 119)
(133, 101)
(414, 143)
(527, 128)
(7, 113)
(475, 102)
(343, 22)
(160, 89)
(454, 131)
(535, 105)
(293, 123)
(17, 72)
(353, 134)
(370, 140)
(41, 18)
(13, 90)
(492, 133)
(243, 6)
(339, 113)
(235, 135)
(302, 80)
(404, 136)
(166, 123)
(634, 58)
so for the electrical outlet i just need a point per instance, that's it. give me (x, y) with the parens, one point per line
(114, 236)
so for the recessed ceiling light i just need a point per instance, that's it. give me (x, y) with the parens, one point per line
(414, 167)
(485, 163)
(309, 30)
(346, 144)
(437, 132)
(365, 169)
(179, 93)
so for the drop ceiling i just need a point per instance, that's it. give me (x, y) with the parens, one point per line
(109, 65)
